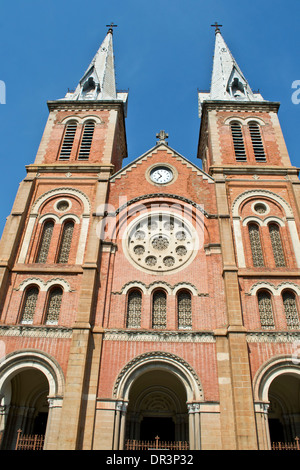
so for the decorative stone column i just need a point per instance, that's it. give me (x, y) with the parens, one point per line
(53, 422)
(262, 424)
(194, 426)
(120, 420)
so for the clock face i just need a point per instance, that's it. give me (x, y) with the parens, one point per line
(161, 175)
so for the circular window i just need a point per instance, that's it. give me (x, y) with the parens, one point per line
(160, 242)
(260, 208)
(62, 205)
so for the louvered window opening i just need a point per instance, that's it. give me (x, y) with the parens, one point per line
(159, 312)
(184, 306)
(265, 310)
(291, 312)
(29, 305)
(134, 309)
(257, 144)
(277, 245)
(67, 145)
(238, 142)
(256, 249)
(54, 304)
(45, 242)
(86, 141)
(66, 242)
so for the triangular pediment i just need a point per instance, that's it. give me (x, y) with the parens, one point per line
(150, 153)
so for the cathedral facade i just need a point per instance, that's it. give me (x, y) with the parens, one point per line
(154, 301)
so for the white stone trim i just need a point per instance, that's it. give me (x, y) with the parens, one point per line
(252, 218)
(35, 211)
(17, 361)
(269, 371)
(44, 286)
(259, 194)
(81, 120)
(158, 360)
(276, 290)
(289, 216)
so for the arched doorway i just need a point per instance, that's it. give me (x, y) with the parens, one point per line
(26, 405)
(277, 397)
(157, 407)
(157, 394)
(284, 409)
(31, 393)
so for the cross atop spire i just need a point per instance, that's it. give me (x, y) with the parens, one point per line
(217, 26)
(111, 26)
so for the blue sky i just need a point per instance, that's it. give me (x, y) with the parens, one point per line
(163, 54)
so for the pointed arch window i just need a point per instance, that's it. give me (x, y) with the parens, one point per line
(255, 243)
(45, 241)
(134, 309)
(29, 304)
(66, 241)
(68, 141)
(159, 310)
(278, 253)
(53, 305)
(257, 143)
(184, 310)
(265, 309)
(238, 142)
(86, 141)
(290, 309)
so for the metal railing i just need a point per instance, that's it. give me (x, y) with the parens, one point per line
(133, 444)
(29, 441)
(286, 445)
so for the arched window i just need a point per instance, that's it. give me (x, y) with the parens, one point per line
(45, 242)
(265, 309)
(278, 253)
(134, 309)
(86, 141)
(29, 304)
(257, 143)
(184, 309)
(256, 249)
(238, 142)
(66, 240)
(53, 305)
(290, 309)
(159, 309)
(68, 141)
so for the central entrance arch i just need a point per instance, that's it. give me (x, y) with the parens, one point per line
(157, 407)
(158, 394)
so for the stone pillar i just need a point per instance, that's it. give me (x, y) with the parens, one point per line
(53, 421)
(263, 435)
(194, 426)
(120, 420)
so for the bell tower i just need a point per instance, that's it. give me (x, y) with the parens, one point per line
(50, 244)
(241, 146)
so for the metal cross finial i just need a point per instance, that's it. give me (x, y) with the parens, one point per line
(111, 26)
(217, 26)
(162, 136)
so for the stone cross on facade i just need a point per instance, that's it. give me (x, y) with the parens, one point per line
(162, 136)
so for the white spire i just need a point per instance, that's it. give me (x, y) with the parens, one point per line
(98, 82)
(227, 82)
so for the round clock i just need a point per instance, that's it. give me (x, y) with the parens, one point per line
(161, 175)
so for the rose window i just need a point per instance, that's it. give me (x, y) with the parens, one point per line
(160, 242)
